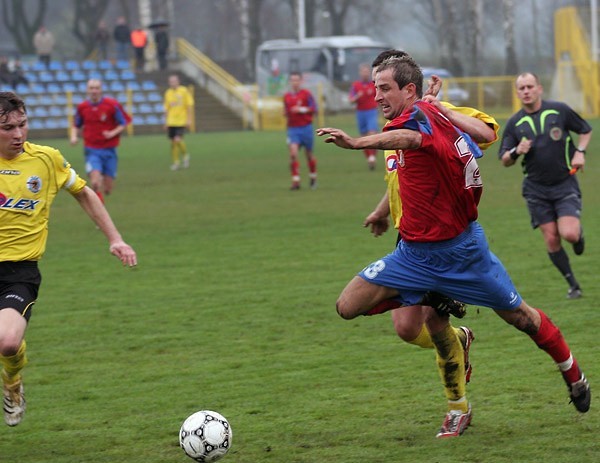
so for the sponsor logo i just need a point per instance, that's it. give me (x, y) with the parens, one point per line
(513, 297)
(34, 184)
(14, 296)
(391, 162)
(23, 204)
(10, 172)
(555, 133)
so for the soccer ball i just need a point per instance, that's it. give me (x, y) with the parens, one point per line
(205, 436)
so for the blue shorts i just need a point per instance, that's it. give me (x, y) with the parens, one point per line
(103, 160)
(301, 136)
(367, 120)
(462, 268)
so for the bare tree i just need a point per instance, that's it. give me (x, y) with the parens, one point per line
(508, 26)
(85, 21)
(475, 38)
(249, 14)
(16, 14)
(337, 15)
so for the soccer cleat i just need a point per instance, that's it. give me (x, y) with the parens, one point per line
(574, 292)
(581, 394)
(469, 338)
(14, 403)
(175, 166)
(313, 183)
(579, 246)
(455, 423)
(444, 305)
(186, 161)
(295, 186)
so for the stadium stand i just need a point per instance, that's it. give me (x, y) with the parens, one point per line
(47, 100)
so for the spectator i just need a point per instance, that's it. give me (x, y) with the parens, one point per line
(43, 40)
(139, 40)
(102, 38)
(122, 36)
(161, 38)
(18, 74)
(5, 74)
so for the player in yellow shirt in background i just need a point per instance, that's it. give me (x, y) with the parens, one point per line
(30, 177)
(179, 106)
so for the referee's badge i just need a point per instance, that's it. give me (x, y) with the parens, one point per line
(34, 184)
(556, 133)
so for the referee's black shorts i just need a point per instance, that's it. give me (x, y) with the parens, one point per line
(19, 286)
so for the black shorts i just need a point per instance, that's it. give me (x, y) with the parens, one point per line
(173, 132)
(19, 286)
(547, 203)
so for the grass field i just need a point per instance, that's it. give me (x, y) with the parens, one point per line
(232, 309)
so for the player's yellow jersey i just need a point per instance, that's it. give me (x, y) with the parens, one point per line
(28, 185)
(391, 158)
(176, 103)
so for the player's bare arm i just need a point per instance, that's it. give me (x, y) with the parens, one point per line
(510, 156)
(400, 139)
(378, 220)
(94, 208)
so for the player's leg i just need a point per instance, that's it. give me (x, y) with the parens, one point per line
(569, 229)
(109, 170)
(308, 141)
(293, 142)
(559, 257)
(548, 337)
(185, 155)
(359, 296)
(94, 166)
(174, 139)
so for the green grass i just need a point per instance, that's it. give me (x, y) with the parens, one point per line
(232, 308)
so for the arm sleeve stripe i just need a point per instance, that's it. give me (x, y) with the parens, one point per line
(71, 181)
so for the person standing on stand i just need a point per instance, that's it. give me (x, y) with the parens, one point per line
(122, 36)
(161, 38)
(299, 109)
(102, 38)
(541, 133)
(43, 40)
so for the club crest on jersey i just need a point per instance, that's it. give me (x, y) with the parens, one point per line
(391, 162)
(555, 133)
(34, 184)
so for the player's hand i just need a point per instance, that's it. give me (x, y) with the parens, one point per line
(124, 253)
(577, 162)
(379, 225)
(524, 146)
(434, 86)
(337, 136)
(73, 140)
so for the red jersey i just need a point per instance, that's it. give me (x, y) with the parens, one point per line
(367, 98)
(98, 117)
(440, 185)
(301, 98)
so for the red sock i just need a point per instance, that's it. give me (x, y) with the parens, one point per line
(312, 166)
(295, 168)
(100, 195)
(384, 306)
(550, 339)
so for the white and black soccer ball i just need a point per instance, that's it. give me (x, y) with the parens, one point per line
(205, 436)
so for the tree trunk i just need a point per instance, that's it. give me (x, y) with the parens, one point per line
(15, 18)
(508, 11)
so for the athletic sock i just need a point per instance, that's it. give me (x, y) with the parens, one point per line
(423, 339)
(175, 153)
(550, 340)
(451, 366)
(182, 147)
(13, 364)
(560, 259)
(312, 167)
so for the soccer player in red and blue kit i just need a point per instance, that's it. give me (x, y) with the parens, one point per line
(299, 109)
(103, 120)
(443, 248)
(362, 94)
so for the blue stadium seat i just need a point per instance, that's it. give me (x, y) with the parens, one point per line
(39, 111)
(5, 88)
(105, 64)
(154, 97)
(46, 76)
(93, 74)
(78, 76)
(38, 88)
(69, 87)
(89, 65)
(77, 99)
(127, 74)
(60, 99)
(55, 66)
(139, 97)
(72, 65)
(53, 88)
(122, 97)
(31, 77)
(139, 120)
(82, 87)
(149, 85)
(122, 64)
(134, 86)
(63, 123)
(52, 124)
(56, 111)
(36, 124)
(159, 108)
(62, 76)
(38, 66)
(116, 86)
(111, 75)
(21, 89)
(152, 119)
(145, 108)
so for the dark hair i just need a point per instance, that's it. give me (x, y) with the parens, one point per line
(10, 102)
(295, 73)
(405, 71)
(387, 54)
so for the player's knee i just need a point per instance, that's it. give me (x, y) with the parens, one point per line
(406, 332)
(343, 310)
(9, 344)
